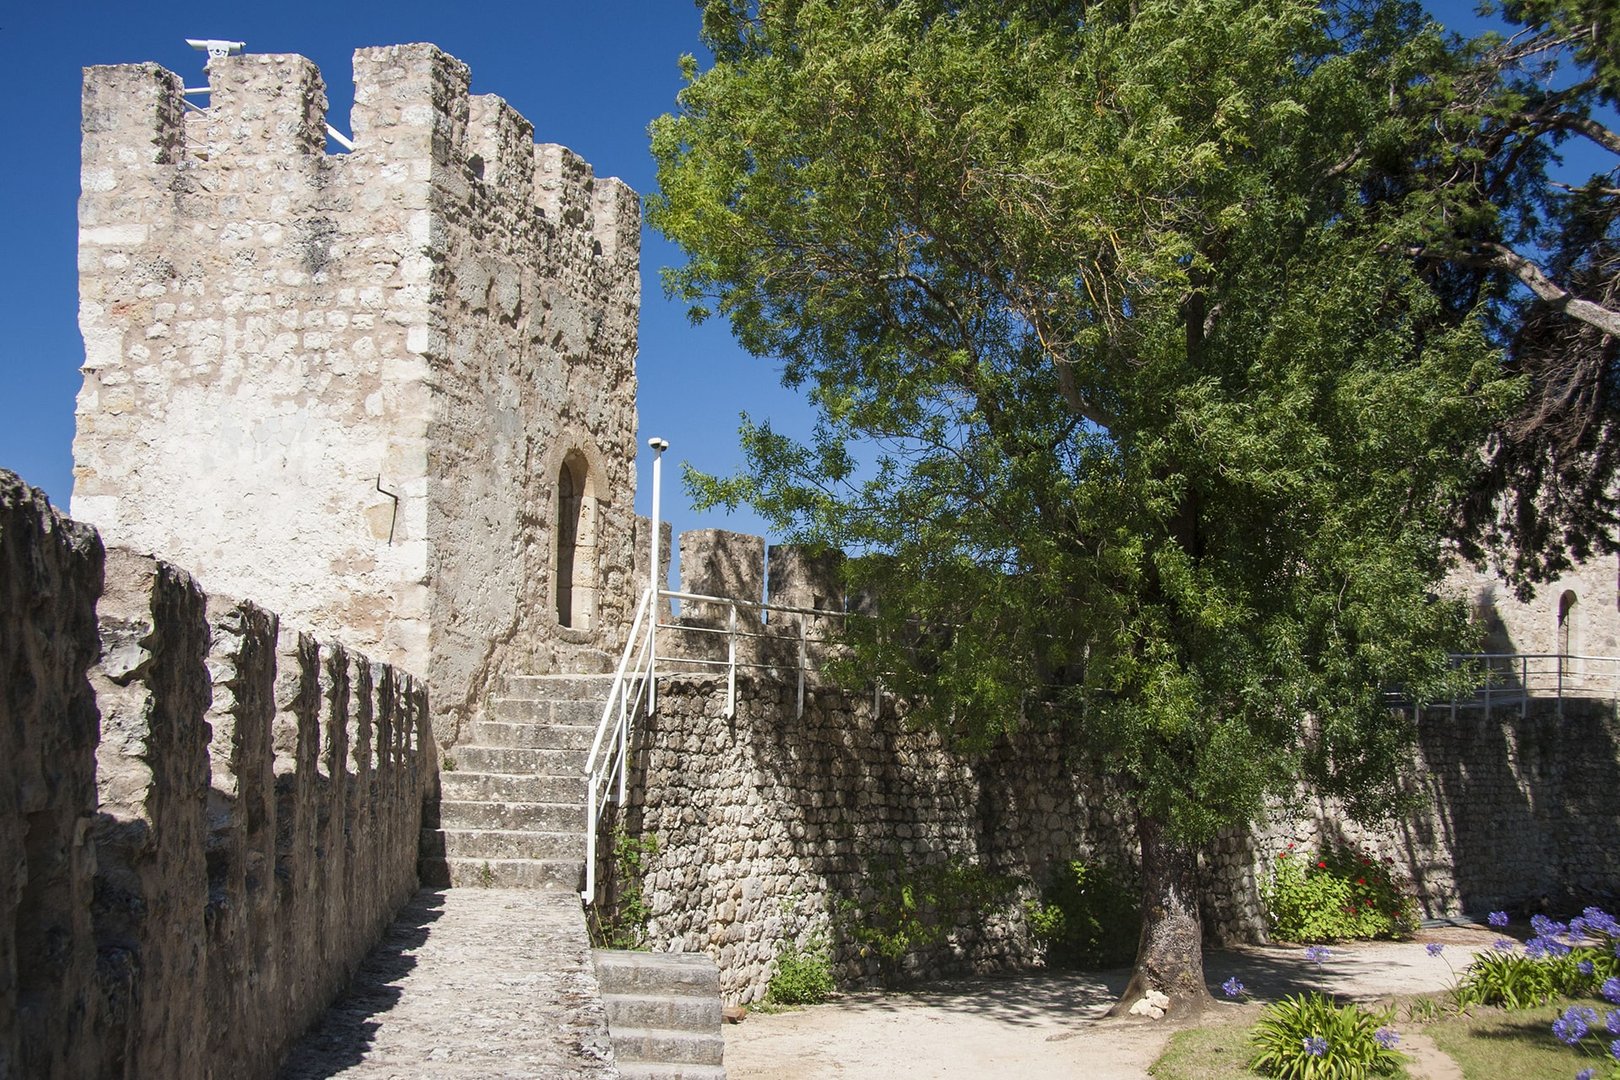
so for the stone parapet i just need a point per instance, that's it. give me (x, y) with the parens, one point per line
(209, 818)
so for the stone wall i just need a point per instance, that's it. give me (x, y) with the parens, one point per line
(767, 821)
(347, 384)
(208, 816)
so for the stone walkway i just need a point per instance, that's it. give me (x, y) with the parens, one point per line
(468, 982)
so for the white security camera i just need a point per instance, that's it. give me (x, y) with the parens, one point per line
(215, 48)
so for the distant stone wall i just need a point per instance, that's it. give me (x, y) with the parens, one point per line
(206, 817)
(766, 821)
(347, 384)
(1522, 816)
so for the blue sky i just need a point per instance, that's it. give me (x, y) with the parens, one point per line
(590, 76)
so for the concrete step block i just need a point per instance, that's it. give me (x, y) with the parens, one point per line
(668, 1047)
(539, 817)
(519, 761)
(502, 844)
(559, 687)
(678, 1012)
(663, 1070)
(620, 971)
(498, 787)
(536, 735)
(550, 875)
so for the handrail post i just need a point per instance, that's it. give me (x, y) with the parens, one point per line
(658, 447)
(731, 662)
(802, 655)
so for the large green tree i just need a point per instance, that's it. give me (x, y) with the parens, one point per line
(1514, 158)
(1130, 415)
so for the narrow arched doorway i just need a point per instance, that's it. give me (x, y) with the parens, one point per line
(575, 567)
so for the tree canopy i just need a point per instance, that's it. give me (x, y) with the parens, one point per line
(1130, 398)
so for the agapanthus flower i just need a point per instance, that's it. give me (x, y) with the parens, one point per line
(1545, 927)
(1543, 946)
(1434, 948)
(1232, 987)
(1611, 989)
(1573, 1025)
(1387, 1037)
(1614, 1049)
(1611, 1020)
(1598, 921)
(1584, 967)
(1503, 944)
(1497, 918)
(1586, 1074)
(1314, 1045)
(1318, 954)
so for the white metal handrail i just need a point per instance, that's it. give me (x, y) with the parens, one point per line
(1514, 678)
(633, 693)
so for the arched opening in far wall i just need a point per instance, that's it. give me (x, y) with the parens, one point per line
(574, 571)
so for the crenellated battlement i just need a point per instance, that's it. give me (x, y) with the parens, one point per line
(374, 363)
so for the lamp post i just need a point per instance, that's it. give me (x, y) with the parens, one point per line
(653, 585)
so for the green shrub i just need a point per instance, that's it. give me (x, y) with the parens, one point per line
(912, 908)
(1312, 1037)
(624, 924)
(1510, 980)
(802, 976)
(1087, 916)
(1341, 893)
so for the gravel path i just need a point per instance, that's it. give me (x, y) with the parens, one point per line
(1046, 1026)
(489, 983)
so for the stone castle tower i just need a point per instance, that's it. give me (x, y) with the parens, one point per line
(389, 392)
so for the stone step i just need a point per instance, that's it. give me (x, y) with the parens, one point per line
(682, 1012)
(496, 787)
(662, 1070)
(583, 712)
(559, 687)
(535, 736)
(501, 844)
(519, 761)
(667, 1046)
(553, 875)
(541, 817)
(622, 972)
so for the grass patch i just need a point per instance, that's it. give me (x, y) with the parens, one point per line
(1491, 1043)
(1213, 1052)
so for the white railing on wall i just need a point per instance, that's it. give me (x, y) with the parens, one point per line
(1511, 680)
(633, 693)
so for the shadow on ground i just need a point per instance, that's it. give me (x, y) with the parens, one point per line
(343, 1034)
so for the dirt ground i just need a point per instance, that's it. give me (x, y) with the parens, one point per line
(1050, 1024)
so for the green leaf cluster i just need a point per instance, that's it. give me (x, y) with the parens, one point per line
(1352, 1051)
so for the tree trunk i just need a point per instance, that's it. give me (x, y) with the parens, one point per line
(1170, 952)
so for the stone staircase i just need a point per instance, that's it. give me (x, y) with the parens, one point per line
(664, 1014)
(512, 812)
(512, 816)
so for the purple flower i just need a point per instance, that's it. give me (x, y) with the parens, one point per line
(1232, 987)
(1314, 1045)
(1611, 989)
(1598, 921)
(1318, 954)
(1497, 918)
(1611, 1020)
(1538, 947)
(1584, 967)
(1434, 948)
(1387, 1037)
(1572, 1027)
(1503, 944)
(1614, 1049)
(1586, 1074)
(1545, 927)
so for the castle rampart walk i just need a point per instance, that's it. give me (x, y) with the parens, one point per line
(468, 982)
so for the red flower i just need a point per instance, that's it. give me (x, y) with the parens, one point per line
(1361, 881)
(1320, 865)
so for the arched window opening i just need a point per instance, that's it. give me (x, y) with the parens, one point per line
(1569, 634)
(575, 566)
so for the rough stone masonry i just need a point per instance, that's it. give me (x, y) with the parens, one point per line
(389, 393)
